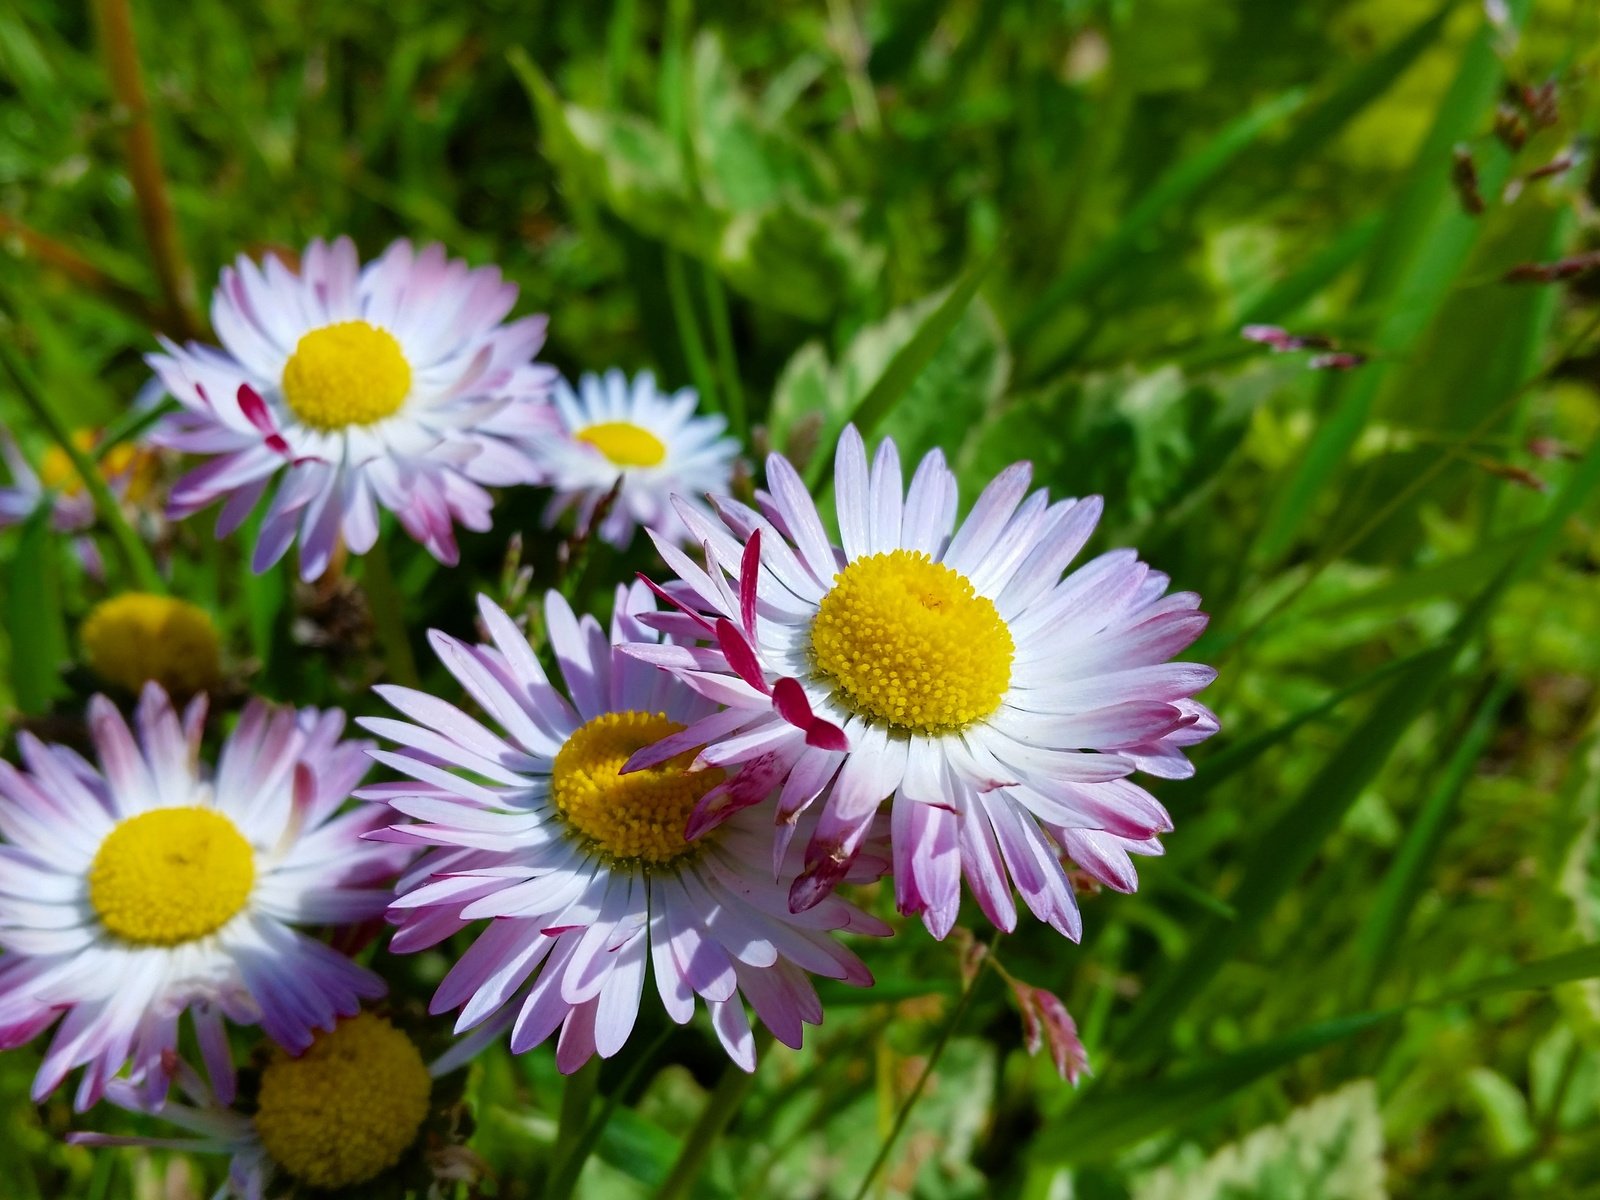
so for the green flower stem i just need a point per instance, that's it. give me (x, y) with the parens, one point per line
(384, 598)
(904, 1114)
(135, 555)
(720, 1108)
(579, 1146)
(577, 1099)
(727, 360)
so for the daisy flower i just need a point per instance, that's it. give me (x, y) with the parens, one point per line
(339, 1115)
(586, 875)
(393, 384)
(143, 888)
(945, 666)
(653, 443)
(129, 473)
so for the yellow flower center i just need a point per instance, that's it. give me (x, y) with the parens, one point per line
(624, 443)
(171, 875)
(346, 1109)
(349, 373)
(637, 817)
(908, 641)
(136, 637)
(123, 461)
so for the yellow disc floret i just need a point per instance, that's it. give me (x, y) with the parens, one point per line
(136, 637)
(624, 443)
(346, 1109)
(349, 373)
(171, 875)
(908, 641)
(131, 468)
(637, 817)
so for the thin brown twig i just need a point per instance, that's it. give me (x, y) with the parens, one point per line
(115, 21)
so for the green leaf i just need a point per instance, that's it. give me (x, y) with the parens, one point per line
(1104, 1122)
(771, 241)
(1330, 1149)
(33, 616)
(1403, 882)
(1360, 88)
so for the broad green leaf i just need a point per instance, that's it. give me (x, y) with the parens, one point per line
(1146, 440)
(1330, 1149)
(772, 243)
(743, 161)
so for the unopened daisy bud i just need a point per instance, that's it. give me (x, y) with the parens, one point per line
(348, 1108)
(137, 638)
(347, 1113)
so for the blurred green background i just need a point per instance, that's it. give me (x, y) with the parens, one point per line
(1017, 229)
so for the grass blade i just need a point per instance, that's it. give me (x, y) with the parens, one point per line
(1289, 846)
(1403, 882)
(1176, 187)
(1415, 262)
(33, 616)
(908, 363)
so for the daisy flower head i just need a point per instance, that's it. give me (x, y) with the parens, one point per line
(395, 384)
(586, 873)
(946, 667)
(128, 470)
(639, 441)
(340, 1114)
(145, 887)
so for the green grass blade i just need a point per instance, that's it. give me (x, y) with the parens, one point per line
(908, 363)
(136, 557)
(33, 616)
(1416, 260)
(1403, 883)
(1288, 847)
(1178, 186)
(1323, 120)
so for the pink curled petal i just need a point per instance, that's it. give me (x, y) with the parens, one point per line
(741, 655)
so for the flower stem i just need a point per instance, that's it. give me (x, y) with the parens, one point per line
(115, 21)
(384, 599)
(719, 1110)
(577, 1098)
(904, 1114)
(568, 1166)
(134, 554)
